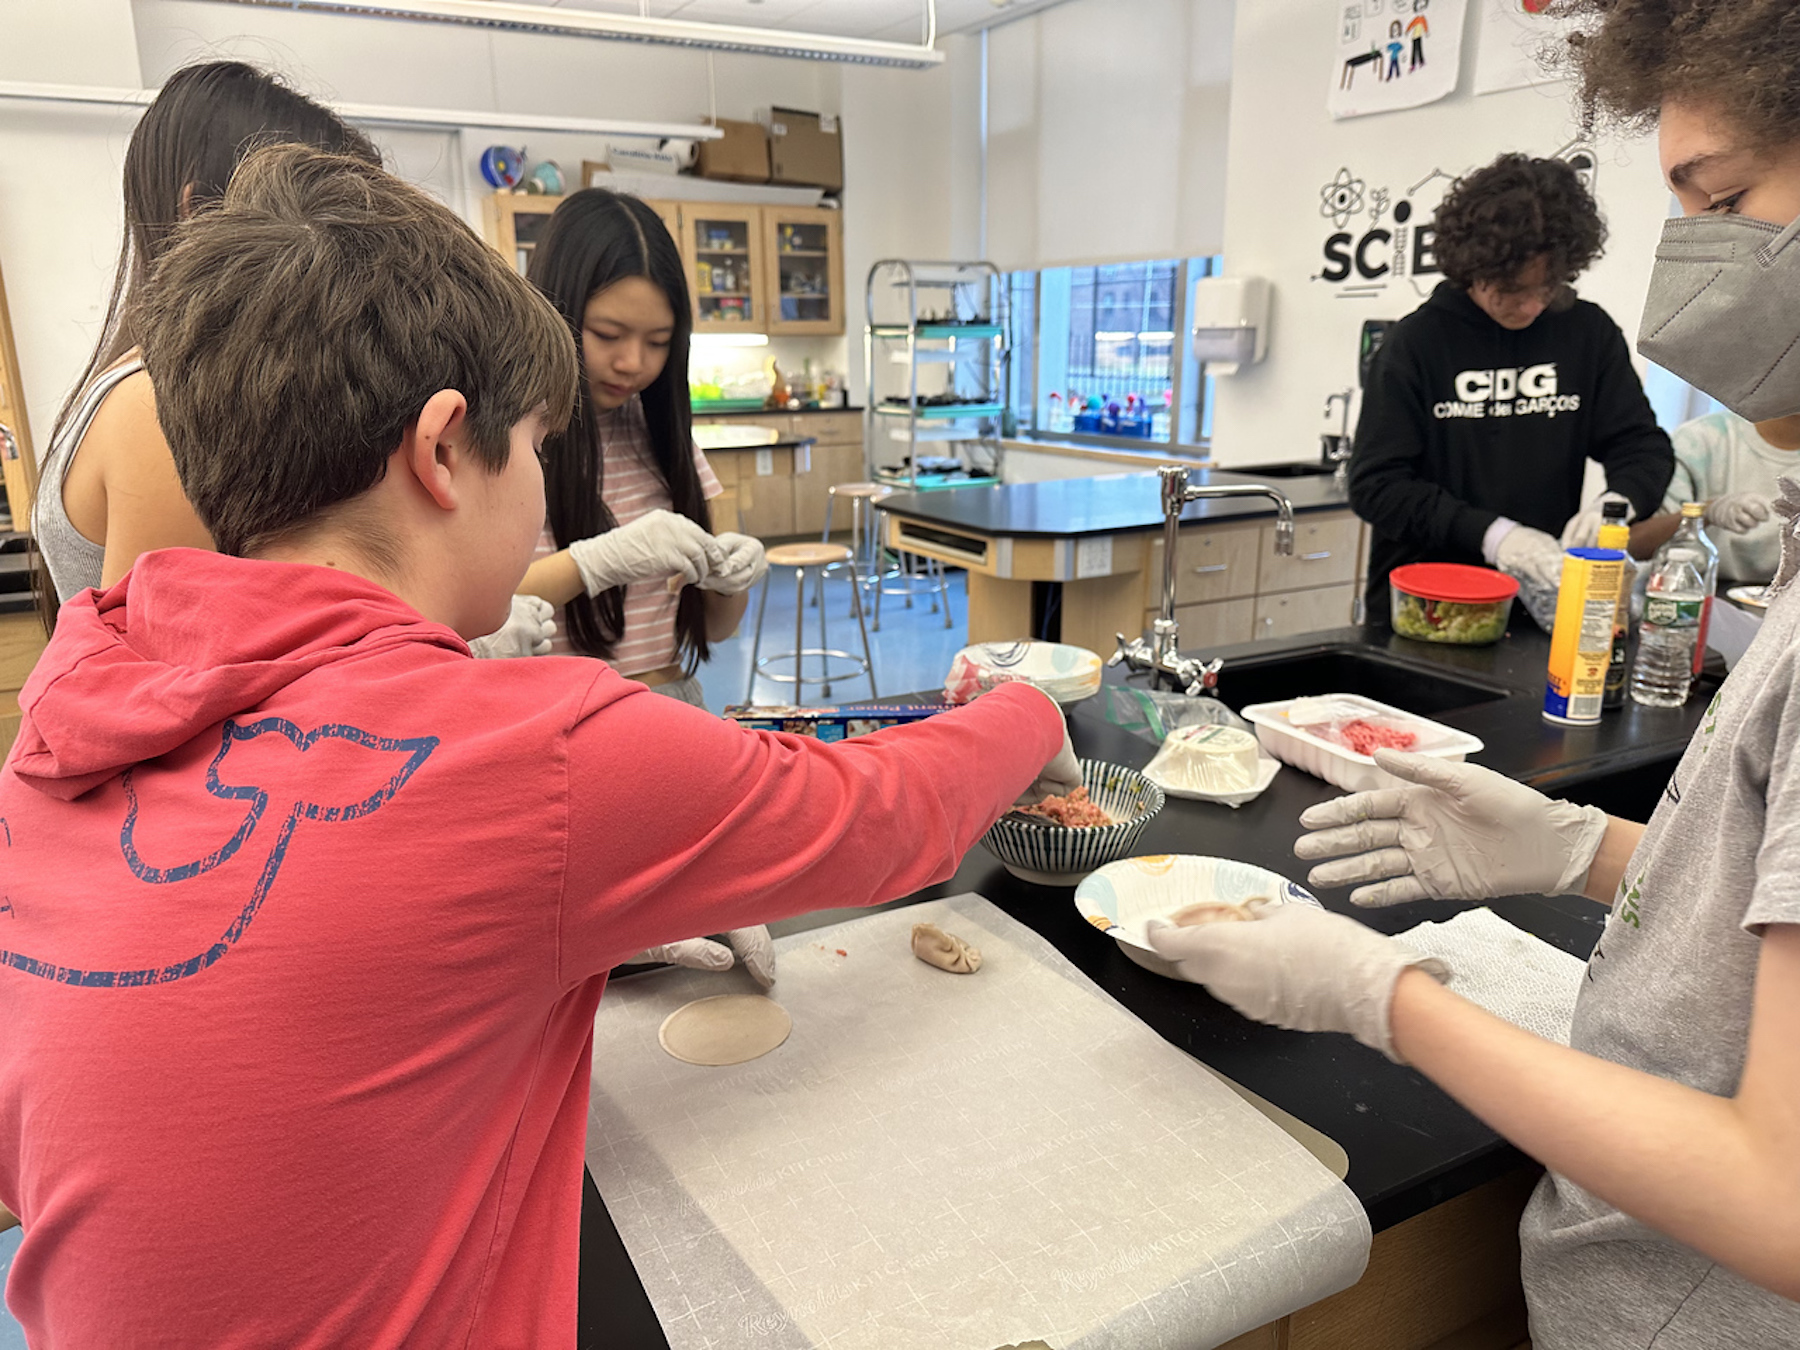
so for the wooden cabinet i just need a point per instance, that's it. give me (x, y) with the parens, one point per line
(803, 260)
(1214, 624)
(1292, 612)
(514, 222)
(722, 249)
(1325, 549)
(765, 492)
(21, 642)
(815, 471)
(1212, 563)
(750, 269)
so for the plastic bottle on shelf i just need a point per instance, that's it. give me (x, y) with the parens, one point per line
(1677, 606)
(1056, 411)
(1615, 533)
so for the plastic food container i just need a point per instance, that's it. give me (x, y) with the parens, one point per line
(1311, 739)
(1450, 602)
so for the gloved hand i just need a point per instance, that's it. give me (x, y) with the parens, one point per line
(526, 632)
(1298, 967)
(743, 566)
(1062, 775)
(1457, 832)
(1739, 511)
(657, 544)
(1532, 556)
(753, 946)
(1583, 529)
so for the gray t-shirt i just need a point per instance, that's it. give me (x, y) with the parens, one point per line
(1669, 991)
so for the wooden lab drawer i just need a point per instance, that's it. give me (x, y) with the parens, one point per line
(21, 642)
(766, 500)
(1324, 554)
(1294, 612)
(1216, 562)
(829, 428)
(817, 469)
(1211, 625)
(724, 509)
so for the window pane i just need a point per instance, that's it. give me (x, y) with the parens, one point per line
(1121, 336)
(1021, 339)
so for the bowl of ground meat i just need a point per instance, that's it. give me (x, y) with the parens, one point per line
(1097, 823)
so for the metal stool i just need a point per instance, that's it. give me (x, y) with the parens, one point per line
(903, 572)
(804, 558)
(865, 532)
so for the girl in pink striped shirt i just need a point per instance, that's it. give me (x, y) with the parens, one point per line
(627, 487)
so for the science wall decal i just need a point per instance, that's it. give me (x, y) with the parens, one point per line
(1395, 54)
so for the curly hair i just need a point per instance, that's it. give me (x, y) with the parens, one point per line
(1741, 57)
(1498, 218)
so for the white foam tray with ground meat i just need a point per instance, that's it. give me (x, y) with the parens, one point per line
(1340, 765)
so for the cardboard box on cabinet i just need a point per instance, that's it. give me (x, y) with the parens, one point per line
(740, 156)
(805, 149)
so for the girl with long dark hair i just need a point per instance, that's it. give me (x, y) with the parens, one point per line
(628, 550)
(626, 486)
(107, 489)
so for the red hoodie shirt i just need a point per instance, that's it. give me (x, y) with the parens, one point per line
(304, 917)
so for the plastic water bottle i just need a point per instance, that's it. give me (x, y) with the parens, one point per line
(1677, 605)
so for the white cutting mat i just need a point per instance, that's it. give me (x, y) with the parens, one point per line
(950, 1162)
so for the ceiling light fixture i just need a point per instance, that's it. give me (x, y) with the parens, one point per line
(503, 14)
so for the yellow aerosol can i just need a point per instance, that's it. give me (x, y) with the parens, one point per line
(1581, 641)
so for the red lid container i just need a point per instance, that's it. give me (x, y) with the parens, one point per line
(1454, 581)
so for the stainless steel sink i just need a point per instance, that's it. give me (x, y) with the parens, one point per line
(1295, 469)
(1348, 669)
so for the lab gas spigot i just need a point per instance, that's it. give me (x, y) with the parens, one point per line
(1160, 655)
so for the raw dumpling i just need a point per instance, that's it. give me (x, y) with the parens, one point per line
(1215, 911)
(946, 951)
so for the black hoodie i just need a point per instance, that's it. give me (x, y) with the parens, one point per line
(1464, 421)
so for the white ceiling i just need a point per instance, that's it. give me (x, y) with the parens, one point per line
(883, 20)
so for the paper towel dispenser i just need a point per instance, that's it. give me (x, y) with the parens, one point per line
(1230, 322)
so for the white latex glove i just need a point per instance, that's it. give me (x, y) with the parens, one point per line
(1583, 529)
(657, 544)
(1532, 556)
(1737, 512)
(1457, 832)
(526, 632)
(1297, 967)
(743, 565)
(1062, 775)
(753, 946)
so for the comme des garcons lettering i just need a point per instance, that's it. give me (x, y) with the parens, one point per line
(1516, 391)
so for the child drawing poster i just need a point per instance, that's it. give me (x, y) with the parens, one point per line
(1517, 38)
(1395, 54)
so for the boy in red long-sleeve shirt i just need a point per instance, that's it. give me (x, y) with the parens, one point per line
(304, 915)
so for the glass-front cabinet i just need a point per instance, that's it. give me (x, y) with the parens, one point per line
(750, 269)
(721, 246)
(804, 261)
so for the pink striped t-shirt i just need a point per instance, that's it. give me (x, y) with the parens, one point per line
(631, 486)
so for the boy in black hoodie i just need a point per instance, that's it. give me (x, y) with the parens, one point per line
(1484, 403)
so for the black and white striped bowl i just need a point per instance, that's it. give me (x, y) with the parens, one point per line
(1057, 855)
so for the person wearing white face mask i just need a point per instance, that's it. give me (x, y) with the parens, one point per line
(1670, 1218)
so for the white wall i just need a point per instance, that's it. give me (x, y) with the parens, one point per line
(1284, 149)
(59, 187)
(60, 211)
(1107, 132)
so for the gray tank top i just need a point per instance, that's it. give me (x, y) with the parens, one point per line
(74, 560)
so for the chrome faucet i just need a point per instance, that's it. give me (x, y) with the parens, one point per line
(1335, 446)
(1161, 655)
